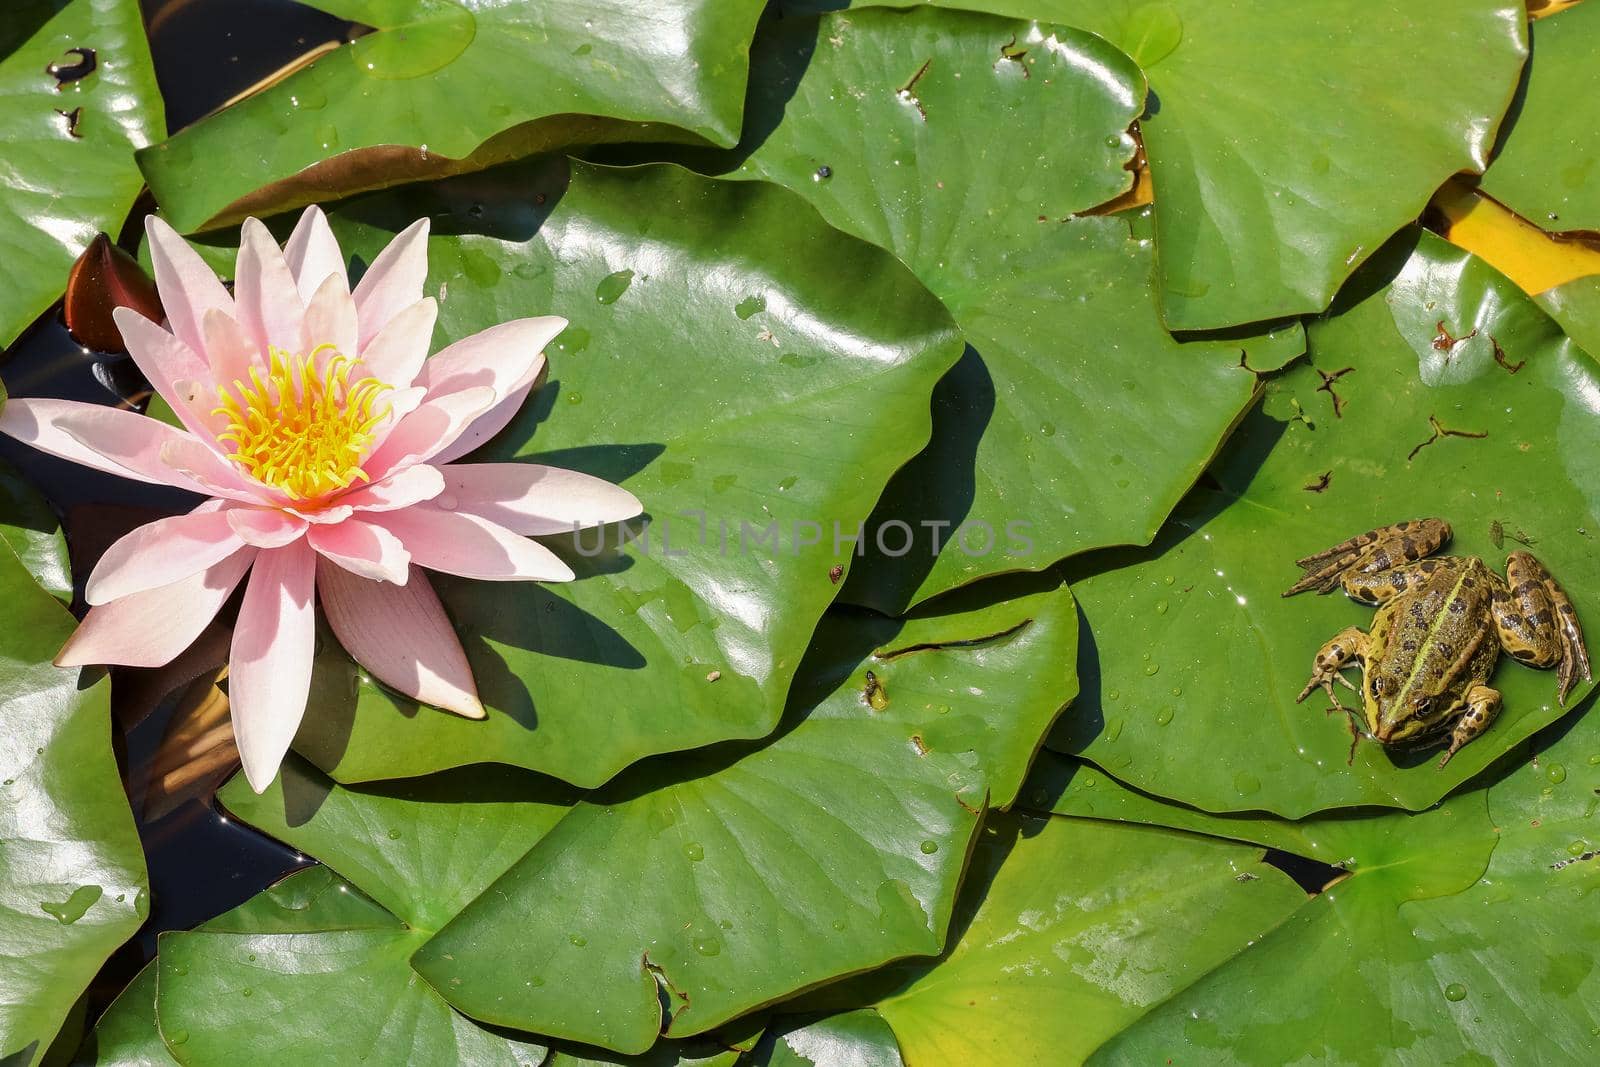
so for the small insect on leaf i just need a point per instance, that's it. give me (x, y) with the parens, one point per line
(874, 694)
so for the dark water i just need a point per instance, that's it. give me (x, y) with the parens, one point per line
(201, 862)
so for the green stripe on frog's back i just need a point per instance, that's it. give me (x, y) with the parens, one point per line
(1441, 619)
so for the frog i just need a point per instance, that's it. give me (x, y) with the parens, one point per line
(1441, 624)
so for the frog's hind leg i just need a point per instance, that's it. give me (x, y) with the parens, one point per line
(1346, 645)
(1377, 550)
(1483, 705)
(1537, 623)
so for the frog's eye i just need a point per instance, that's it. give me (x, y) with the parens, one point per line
(1421, 704)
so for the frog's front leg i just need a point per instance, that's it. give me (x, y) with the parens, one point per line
(1378, 550)
(1537, 623)
(1346, 645)
(1483, 705)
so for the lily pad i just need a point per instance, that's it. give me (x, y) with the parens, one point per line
(69, 137)
(1435, 388)
(723, 1048)
(419, 849)
(750, 442)
(1413, 942)
(1070, 930)
(842, 840)
(72, 876)
(1064, 785)
(1576, 306)
(1075, 421)
(1260, 212)
(30, 529)
(446, 86)
(850, 1039)
(308, 900)
(1548, 167)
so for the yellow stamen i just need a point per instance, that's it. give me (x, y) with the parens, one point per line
(303, 427)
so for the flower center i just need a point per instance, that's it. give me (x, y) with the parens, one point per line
(303, 427)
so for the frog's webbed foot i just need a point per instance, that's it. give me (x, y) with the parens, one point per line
(1537, 623)
(1483, 705)
(1375, 551)
(1346, 645)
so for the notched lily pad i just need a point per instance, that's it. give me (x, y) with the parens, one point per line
(1406, 410)
(754, 443)
(333, 960)
(842, 839)
(1260, 213)
(1068, 930)
(1075, 420)
(1413, 940)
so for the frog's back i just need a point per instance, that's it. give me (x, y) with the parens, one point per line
(1424, 633)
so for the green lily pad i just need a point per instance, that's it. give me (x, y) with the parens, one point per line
(721, 1049)
(1070, 930)
(1075, 421)
(787, 425)
(222, 997)
(308, 900)
(423, 847)
(1063, 785)
(1414, 942)
(1576, 306)
(446, 86)
(69, 170)
(1261, 212)
(72, 876)
(419, 849)
(850, 1039)
(842, 840)
(1193, 647)
(1548, 167)
(30, 529)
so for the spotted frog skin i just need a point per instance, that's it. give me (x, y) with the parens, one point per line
(1439, 630)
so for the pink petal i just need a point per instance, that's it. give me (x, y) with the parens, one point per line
(118, 442)
(502, 357)
(410, 486)
(532, 499)
(362, 548)
(160, 553)
(188, 287)
(508, 357)
(269, 671)
(401, 635)
(269, 306)
(470, 546)
(265, 527)
(313, 254)
(230, 352)
(395, 355)
(215, 475)
(417, 436)
(171, 367)
(394, 281)
(491, 422)
(322, 516)
(149, 629)
(330, 319)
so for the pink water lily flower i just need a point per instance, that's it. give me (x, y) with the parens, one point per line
(323, 435)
